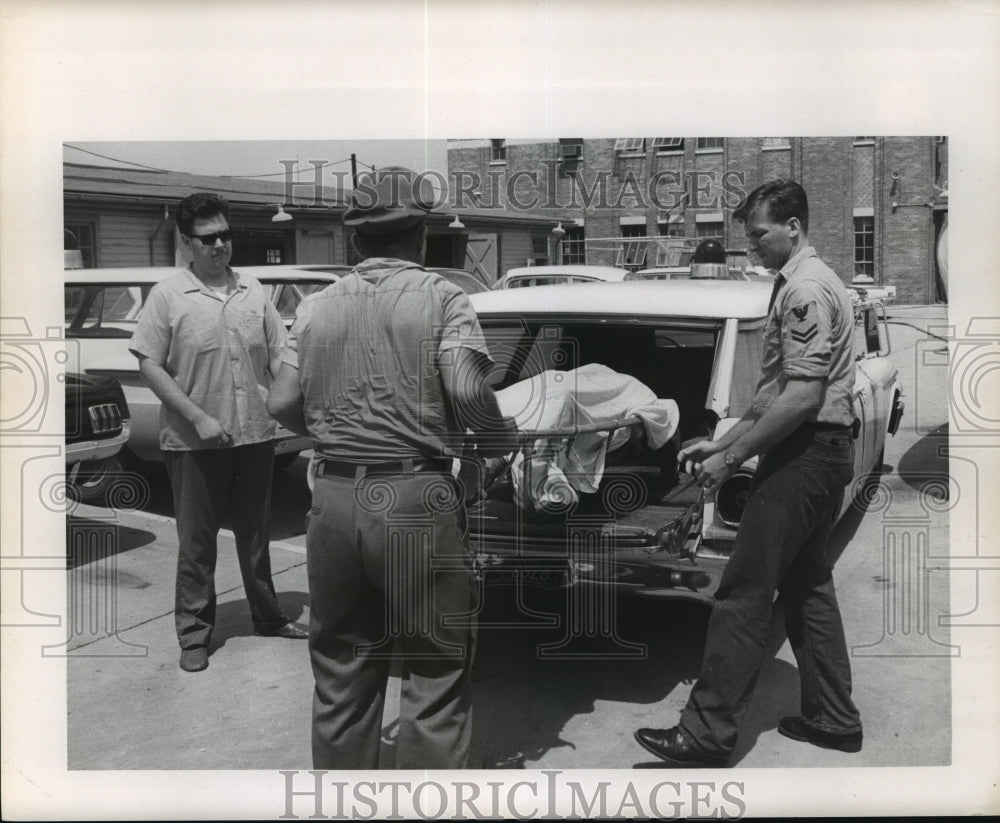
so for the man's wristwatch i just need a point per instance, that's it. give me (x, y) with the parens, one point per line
(730, 460)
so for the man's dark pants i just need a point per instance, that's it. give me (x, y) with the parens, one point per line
(390, 575)
(208, 484)
(781, 546)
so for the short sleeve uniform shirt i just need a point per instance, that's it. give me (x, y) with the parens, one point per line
(810, 333)
(367, 349)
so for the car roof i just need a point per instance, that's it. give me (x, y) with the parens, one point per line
(138, 275)
(610, 273)
(656, 272)
(716, 300)
(469, 282)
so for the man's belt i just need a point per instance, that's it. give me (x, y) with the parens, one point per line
(342, 468)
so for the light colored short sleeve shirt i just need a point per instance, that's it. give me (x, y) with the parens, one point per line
(367, 349)
(218, 349)
(810, 333)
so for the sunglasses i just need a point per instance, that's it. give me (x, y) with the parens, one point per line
(209, 239)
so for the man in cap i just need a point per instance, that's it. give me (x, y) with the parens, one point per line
(383, 369)
(800, 423)
(208, 340)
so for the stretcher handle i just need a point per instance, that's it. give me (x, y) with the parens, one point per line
(584, 428)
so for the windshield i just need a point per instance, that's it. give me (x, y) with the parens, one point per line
(673, 359)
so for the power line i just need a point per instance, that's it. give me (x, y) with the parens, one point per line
(174, 171)
(115, 159)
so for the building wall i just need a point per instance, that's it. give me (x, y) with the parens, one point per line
(831, 200)
(126, 236)
(843, 177)
(907, 252)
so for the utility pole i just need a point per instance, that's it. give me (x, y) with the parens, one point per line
(354, 172)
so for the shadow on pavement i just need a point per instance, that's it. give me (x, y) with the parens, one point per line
(926, 460)
(530, 682)
(90, 539)
(232, 618)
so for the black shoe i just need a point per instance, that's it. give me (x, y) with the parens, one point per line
(798, 729)
(194, 660)
(293, 631)
(672, 746)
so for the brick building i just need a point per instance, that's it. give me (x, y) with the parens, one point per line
(878, 205)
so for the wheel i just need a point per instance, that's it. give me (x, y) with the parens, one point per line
(285, 461)
(94, 479)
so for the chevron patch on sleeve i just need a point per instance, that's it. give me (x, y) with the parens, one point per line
(804, 335)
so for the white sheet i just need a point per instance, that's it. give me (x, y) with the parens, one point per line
(558, 471)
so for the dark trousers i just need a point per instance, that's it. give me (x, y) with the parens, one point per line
(207, 484)
(781, 546)
(390, 576)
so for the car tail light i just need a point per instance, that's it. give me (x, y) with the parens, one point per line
(105, 418)
(731, 499)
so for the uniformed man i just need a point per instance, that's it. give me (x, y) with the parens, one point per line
(383, 368)
(800, 424)
(208, 340)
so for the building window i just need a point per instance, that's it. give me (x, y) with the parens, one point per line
(630, 145)
(670, 228)
(771, 143)
(864, 141)
(632, 254)
(574, 248)
(273, 256)
(706, 229)
(539, 250)
(498, 151)
(668, 144)
(709, 143)
(80, 236)
(570, 155)
(864, 246)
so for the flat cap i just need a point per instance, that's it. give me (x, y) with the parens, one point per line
(389, 200)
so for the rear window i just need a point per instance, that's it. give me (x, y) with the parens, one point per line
(674, 360)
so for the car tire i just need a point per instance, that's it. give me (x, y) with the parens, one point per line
(285, 461)
(92, 482)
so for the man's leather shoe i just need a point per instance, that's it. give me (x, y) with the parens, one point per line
(194, 660)
(672, 746)
(293, 631)
(798, 729)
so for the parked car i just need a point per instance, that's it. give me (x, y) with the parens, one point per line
(648, 527)
(555, 275)
(102, 307)
(685, 273)
(861, 293)
(467, 281)
(97, 427)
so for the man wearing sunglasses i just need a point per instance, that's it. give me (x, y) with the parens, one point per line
(208, 342)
